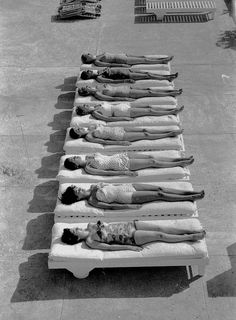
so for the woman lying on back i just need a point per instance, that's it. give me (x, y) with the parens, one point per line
(121, 136)
(124, 93)
(126, 195)
(121, 60)
(125, 163)
(124, 112)
(123, 75)
(130, 235)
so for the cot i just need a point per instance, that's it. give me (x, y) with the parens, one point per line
(78, 146)
(150, 211)
(144, 175)
(80, 259)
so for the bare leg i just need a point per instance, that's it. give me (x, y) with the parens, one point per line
(171, 197)
(148, 75)
(136, 136)
(149, 226)
(141, 237)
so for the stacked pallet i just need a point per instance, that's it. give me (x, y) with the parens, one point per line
(181, 11)
(80, 259)
(85, 9)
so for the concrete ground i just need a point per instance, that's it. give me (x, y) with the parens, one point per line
(39, 60)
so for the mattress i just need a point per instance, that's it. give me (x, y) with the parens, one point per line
(144, 175)
(137, 84)
(78, 146)
(80, 259)
(160, 209)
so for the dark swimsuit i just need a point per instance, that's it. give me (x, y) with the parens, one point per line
(116, 73)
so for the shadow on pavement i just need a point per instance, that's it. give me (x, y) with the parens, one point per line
(45, 197)
(37, 282)
(65, 101)
(69, 84)
(224, 285)
(39, 232)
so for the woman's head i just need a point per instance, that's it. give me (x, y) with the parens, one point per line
(88, 58)
(85, 91)
(74, 163)
(73, 235)
(74, 194)
(84, 109)
(76, 133)
(88, 74)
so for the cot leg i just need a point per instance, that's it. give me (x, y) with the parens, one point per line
(80, 273)
(201, 269)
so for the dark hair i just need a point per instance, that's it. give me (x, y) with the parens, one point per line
(84, 58)
(79, 111)
(83, 91)
(70, 164)
(84, 75)
(73, 134)
(69, 237)
(69, 196)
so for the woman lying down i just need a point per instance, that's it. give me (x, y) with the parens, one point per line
(124, 163)
(127, 235)
(121, 136)
(126, 195)
(124, 112)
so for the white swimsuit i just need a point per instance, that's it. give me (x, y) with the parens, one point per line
(117, 162)
(108, 133)
(109, 193)
(118, 110)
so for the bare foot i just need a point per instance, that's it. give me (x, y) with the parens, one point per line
(198, 236)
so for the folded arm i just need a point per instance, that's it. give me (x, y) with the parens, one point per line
(99, 116)
(91, 138)
(110, 247)
(99, 172)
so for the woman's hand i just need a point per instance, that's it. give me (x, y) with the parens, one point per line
(136, 248)
(126, 143)
(132, 173)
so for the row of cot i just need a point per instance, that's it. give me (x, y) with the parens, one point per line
(79, 259)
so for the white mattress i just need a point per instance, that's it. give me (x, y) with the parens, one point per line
(144, 175)
(137, 103)
(155, 68)
(78, 146)
(80, 259)
(137, 84)
(161, 209)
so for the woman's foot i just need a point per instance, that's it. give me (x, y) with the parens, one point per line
(173, 76)
(178, 110)
(198, 236)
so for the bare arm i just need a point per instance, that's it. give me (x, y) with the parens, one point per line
(102, 79)
(112, 206)
(91, 138)
(133, 155)
(100, 116)
(101, 96)
(110, 247)
(107, 64)
(95, 171)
